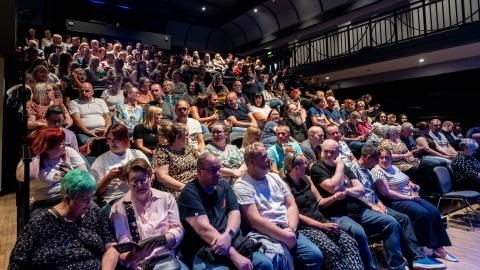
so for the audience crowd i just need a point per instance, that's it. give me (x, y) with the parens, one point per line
(149, 160)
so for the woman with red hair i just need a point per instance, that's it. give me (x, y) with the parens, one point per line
(51, 160)
(109, 168)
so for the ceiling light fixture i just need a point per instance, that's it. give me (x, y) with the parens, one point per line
(255, 10)
(204, 8)
(421, 60)
(327, 78)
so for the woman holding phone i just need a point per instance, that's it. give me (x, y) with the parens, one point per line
(52, 159)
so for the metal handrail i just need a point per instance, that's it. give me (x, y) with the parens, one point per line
(416, 20)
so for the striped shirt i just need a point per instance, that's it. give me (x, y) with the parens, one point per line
(396, 179)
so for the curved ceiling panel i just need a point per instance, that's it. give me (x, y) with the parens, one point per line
(236, 33)
(178, 31)
(267, 20)
(219, 40)
(197, 37)
(284, 12)
(329, 4)
(307, 8)
(250, 26)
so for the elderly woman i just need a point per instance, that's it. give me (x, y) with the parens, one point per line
(145, 212)
(174, 160)
(145, 134)
(109, 168)
(168, 92)
(401, 156)
(129, 113)
(52, 159)
(340, 251)
(466, 167)
(401, 194)
(43, 97)
(233, 165)
(69, 235)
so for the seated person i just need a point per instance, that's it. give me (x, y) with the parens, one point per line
(466, 168)
(439, 138)
(351, 135)
(51, 160)
(55, 116)
(195, 139)
(259, 109)
(90, 115)
(168, 112)
(42, 244)
(145, 135)
(401, 194)
(252, 135)
(44, 97)
(269, 137)
(295, 122)
(230, 156)
(332, 113)
(278, 151)
(210, 214)
(313, 142)
(129, 113)
(174, 160)
(109, 168)
(339, 249)
(316, 115)
(207, 110)
(345, 153)
(145, 212)
(237, 114)
(268, 207)
(334, 179)
(447, 131)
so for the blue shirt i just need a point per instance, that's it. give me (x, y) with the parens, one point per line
(276, 155)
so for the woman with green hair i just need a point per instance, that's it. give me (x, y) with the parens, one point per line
(70, 235)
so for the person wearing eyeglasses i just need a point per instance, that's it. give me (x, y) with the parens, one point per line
(233, 165)
(211, 216)
(195, 139)
(144, 212)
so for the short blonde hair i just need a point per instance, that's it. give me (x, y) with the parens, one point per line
(249, 136)
(149, 119)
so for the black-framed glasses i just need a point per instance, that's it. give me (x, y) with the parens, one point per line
(212, 170)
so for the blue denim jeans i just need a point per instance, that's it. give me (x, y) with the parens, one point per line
(259, 261)
(275, 104)
(158, 267)
(307, 255)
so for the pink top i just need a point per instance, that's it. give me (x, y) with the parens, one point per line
(160, 215)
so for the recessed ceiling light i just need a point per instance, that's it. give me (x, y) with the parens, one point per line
(204, 8)
(327, 78)
(255, 10)
(421, 60)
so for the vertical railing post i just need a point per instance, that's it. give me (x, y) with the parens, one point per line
(425, 18)
(371, 32)
(349, 41)
(463, 11)
(395, 29)
(327, 47)
(310, 51)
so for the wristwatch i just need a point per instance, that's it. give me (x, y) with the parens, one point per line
(291, 228)
(231, 233)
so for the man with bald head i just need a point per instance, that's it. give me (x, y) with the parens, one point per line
(313, 142)
(332, 113)
(237, 113)
(90, 115)
(211, 217)
(333, 179)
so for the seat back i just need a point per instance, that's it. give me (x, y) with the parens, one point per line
(444, 179)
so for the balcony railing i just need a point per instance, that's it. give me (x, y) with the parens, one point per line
(417, 20)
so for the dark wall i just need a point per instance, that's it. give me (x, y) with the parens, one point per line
(453, 96)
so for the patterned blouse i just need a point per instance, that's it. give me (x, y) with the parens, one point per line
(399, 148)
(465, 168)
(40, 111)
(50, 242)
(182, 166)
(231, 159)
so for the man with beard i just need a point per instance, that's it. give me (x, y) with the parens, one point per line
(168, 111)
(182, 109)
(295, 122)
(210, 214)
(269, 208)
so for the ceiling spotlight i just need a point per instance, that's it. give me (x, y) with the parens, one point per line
(327, 78)
(204, 8)
(255, 10)
(421, 60)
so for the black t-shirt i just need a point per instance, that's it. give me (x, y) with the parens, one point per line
(348, 206)
(305, 199)
(194, 201)
(149, 136)
(241, 113)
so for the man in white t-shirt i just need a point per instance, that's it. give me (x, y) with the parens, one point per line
(90, 115)
(270, 209)
(182, 109)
